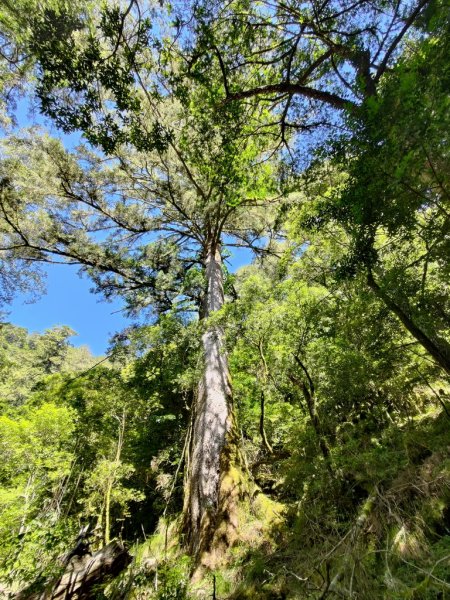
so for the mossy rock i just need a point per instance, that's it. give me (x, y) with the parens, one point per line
(267, 510)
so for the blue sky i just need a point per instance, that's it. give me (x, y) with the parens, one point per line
(68, 300)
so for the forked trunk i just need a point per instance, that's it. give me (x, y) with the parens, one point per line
(212, 481)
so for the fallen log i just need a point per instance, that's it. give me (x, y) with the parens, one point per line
(82, 573)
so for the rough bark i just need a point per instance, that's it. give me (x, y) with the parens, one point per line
(212, 476)
(439, 349)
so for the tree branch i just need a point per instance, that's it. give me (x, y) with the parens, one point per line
(409, 21)
(297, 90)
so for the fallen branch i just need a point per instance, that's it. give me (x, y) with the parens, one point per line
(82, 574)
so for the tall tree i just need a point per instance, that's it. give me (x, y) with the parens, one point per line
(181, 183)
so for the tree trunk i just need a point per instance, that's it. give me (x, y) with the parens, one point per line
(309, 394)
(439, 349)
(262, 429)
(112, 478)
(212, 474)
(265, 377)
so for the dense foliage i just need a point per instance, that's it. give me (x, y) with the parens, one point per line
(313, 134)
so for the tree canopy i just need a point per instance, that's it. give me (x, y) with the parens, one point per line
(276, 432)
